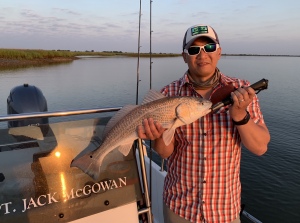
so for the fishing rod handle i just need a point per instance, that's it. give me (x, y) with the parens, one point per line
(260, 85)
(257, 86)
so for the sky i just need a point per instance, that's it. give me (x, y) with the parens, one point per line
(243, 26)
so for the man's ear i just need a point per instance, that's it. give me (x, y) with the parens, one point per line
(220, 51)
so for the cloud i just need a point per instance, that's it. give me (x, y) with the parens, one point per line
(66, 11)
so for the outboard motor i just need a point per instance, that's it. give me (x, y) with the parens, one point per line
(26, 99)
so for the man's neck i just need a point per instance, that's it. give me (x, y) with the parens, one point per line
(200, 84)
(205, 93)
(200, 79)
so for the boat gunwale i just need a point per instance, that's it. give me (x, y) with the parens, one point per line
(13, 117)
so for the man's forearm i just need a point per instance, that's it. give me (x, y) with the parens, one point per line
(255, 137)
(161, 148)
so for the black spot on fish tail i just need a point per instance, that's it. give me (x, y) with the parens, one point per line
(88, 165)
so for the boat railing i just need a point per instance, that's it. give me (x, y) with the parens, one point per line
(14, 117)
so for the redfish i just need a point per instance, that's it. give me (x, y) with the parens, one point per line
(120, 131)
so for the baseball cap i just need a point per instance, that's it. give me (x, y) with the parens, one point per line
(197, 31)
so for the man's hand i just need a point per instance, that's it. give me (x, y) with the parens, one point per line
(241, 97)
(150, 129)
(153, 130)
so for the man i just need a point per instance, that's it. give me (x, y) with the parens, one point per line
(203, 184)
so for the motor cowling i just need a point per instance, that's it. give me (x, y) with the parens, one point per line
(26, 99)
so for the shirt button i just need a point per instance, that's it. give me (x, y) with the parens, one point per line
(204, 158)
(204, 181)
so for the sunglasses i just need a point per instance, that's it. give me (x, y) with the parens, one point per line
(208, 48)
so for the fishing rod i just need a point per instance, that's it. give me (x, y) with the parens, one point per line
(147, 194)
(257, 86)
(138, 60)
(150, 83)
(150, 45)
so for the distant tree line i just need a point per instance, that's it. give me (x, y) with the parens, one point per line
(112, 51)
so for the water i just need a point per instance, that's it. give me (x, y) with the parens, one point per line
(270, 183)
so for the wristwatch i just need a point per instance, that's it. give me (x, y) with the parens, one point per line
(244, 121)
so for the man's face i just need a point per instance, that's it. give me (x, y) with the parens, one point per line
(202, 65)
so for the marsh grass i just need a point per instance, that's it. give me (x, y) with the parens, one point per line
(27, 54)
(19, 54)
(22, 58)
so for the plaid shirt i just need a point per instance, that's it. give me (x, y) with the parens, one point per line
(203, 180)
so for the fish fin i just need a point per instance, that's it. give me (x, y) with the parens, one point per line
(169, 133)
(168, 136)
(152, 95)
(125, 149)
(117, 117)
(88, 164)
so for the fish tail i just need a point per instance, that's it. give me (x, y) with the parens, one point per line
(88, 165)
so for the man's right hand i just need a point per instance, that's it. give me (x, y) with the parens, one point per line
(153, 130)
(150, 129)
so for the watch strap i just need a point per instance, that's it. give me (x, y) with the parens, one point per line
(244, 121)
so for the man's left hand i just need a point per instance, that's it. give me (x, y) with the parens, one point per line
(241, 98)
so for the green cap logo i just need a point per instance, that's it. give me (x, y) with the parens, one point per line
(199, 30)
